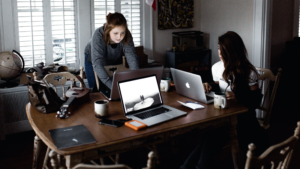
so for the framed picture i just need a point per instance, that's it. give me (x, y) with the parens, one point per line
(174, 14)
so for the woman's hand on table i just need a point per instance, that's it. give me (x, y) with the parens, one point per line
(206, 87)
(230, 96)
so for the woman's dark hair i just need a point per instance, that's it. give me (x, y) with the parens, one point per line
(237, 66)
(113, 20)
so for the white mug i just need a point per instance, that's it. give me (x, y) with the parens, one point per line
(101, 108)
(220, 101)
(165, 84)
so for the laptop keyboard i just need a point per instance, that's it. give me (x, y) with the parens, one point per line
(152, 113)
(209, 97)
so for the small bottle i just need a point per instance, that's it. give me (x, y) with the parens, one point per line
(174, 48)
(184, 47)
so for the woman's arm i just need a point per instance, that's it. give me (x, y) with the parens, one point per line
(214, 86)
(98, 52)
(251, 99)
(255, 97)
(131, 57)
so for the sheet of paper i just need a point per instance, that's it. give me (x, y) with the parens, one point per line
(193, 106)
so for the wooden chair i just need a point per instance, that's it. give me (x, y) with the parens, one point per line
(150, 164)
(61, 78)
(276, 156)
(264, 82)
(264, 79)
(55, 79)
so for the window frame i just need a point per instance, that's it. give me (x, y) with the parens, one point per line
(118, 9)
(48, 32)
(296, 26)
(84, 30)
(1, 28)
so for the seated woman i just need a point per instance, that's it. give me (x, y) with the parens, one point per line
(236, 76)
(106, 48)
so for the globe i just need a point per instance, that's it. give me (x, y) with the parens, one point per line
(11, 65)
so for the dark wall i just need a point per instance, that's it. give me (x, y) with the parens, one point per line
(281, 31)
(285, 54)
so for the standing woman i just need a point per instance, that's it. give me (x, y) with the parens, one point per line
(236, 76)
(106, 48)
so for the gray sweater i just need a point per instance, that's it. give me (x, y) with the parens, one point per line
(100, 55)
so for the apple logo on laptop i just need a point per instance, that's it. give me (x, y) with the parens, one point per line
(187, 85)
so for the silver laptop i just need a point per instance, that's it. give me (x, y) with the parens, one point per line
(190, 85)
(113, 93)
(142, 101)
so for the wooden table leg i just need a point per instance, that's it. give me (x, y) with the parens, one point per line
(235, 144)
(74, 159)
(36, 151)
(175, 146)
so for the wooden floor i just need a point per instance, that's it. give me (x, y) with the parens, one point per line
(16, 151)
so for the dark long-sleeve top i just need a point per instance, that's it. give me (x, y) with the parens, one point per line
(100, 54)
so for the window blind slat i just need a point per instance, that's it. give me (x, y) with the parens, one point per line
(32, 31)
(63, 30)
(129, 8)
(131, 11)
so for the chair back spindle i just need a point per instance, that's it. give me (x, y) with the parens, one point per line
(265, 77)
(61, 78)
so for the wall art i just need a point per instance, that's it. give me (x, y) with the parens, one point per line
(174, 14)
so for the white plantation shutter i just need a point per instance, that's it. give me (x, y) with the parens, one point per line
(101, 9)
(31, 31)
(131, 9)
(63, 30)
(47, 37)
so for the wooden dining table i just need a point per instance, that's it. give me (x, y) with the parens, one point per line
(111, 140)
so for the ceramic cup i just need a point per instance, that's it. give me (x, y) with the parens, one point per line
(220, 101)
(165, 84)
(101, 108)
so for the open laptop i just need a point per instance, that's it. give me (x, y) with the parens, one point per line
(113, 93)
(190, 85)
(142, 101)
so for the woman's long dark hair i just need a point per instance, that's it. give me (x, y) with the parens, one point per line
(237, 66)
(113, 20)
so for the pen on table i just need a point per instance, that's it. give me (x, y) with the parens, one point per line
(192, 102)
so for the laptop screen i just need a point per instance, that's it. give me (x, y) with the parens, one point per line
(139, 94)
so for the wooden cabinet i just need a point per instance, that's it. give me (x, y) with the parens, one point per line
(196, 61)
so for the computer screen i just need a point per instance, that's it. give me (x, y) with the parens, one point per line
(139, 94)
